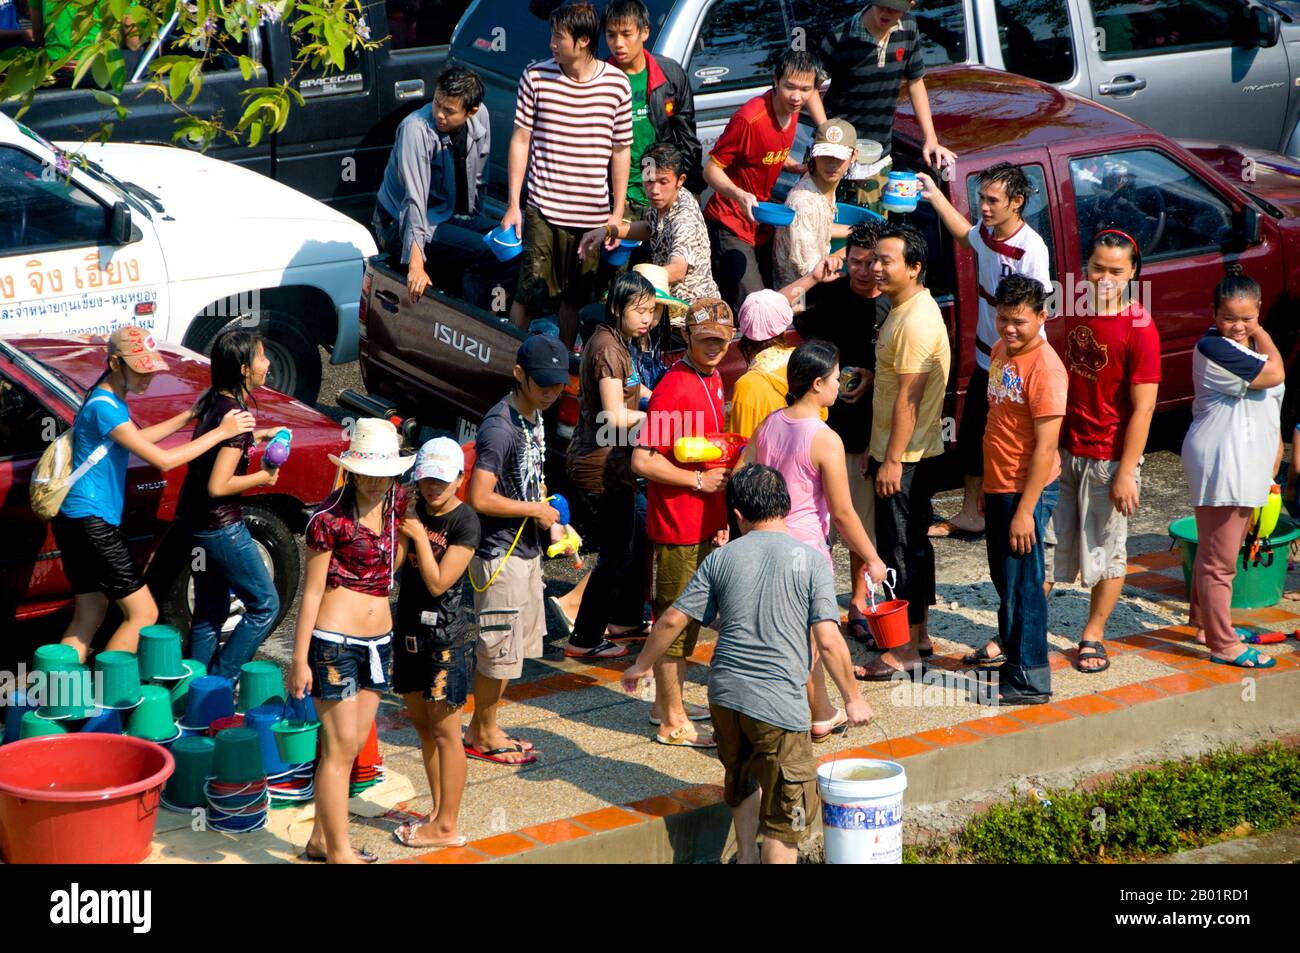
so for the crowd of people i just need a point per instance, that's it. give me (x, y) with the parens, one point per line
(840, 413)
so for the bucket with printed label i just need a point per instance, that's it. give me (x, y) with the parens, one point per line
(862, 810)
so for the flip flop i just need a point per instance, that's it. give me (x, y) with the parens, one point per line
(693, 712)
(640, 632)
(367, 856)
(494, 755)
(405, 831)
(838, 725)
(682, 739)
(1251, 655)
(605, 650)
(887, 676)
(949, 530)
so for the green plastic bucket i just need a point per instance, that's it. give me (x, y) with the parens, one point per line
(296, 740)
(1260, 583)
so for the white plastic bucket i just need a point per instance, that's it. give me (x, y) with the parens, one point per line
(862, 819)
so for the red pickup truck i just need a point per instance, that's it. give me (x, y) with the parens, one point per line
(1193, 208)
(43, 381)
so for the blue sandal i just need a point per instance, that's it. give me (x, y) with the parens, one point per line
(1251, 655)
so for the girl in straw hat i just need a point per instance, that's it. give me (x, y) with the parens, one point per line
(345, 628)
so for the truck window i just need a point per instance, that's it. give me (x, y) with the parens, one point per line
(1169, 211)
(737, 46)
(417, 23)
(1035, 212)
(1036, 39)
(22, 422)
(39, 208)
(1128, 28)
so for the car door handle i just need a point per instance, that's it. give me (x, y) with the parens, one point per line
(387, 300)
(1121, 85)
(409, 89)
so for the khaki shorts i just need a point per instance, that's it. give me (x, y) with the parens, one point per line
(674, 567)
(549, 267)
(777, 761)
(1087, 536)
(863, 494)
(511, 615)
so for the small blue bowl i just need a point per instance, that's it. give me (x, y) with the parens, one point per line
(770, 213)
(846, 214)
(621, 253)
(505, 245)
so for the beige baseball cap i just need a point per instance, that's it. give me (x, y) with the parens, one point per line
(137, 347)
(835, 137)
(711, 318)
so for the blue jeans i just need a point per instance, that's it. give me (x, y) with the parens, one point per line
(1022, 615)
(231, 563)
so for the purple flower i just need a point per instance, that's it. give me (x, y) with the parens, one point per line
(363, 30)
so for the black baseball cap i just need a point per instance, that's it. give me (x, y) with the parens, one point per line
(544, 359)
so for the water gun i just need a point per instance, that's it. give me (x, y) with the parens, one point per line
(1264, 638)
(564, 539)
(277, 451)
(713, 450)
(1262, 523)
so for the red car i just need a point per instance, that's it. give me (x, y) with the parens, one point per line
(43, 381)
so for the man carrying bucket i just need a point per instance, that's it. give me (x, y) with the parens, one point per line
(761, 664)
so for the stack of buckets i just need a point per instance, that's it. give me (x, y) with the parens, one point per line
(242, 760)
(368, 768)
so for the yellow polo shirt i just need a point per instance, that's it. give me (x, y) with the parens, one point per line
(913, 340)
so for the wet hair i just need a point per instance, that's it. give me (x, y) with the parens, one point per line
(796, 62)
(1237, 285)
(810, 361)
(1011, 177)
(627, 289)
(463, 84)
(915, 250)
(864, 235)
(623, 11)
(1016, 290)
(759, 493)
(666, 158)
(1114, 238)
(579, 21)
(232, 351)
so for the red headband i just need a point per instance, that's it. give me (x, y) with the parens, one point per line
(1125, 235)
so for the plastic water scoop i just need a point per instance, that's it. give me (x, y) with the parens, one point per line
(277, 451)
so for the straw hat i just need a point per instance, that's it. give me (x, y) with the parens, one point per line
(657, 275)
(375, 450)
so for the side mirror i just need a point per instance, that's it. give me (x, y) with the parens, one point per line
(120, 230)
(1249, 226)
(1265, 27)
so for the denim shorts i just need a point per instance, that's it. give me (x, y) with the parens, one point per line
(340, 671)
(424, 661)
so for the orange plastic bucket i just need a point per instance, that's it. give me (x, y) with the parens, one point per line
(888, 623)
(80, 799)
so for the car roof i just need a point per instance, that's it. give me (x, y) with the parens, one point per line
(979, 110)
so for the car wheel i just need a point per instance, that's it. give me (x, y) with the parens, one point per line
(280, 553)
(295, 359)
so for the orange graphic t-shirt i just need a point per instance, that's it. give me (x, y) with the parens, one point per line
(1022, 389)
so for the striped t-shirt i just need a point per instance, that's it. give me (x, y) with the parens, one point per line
(575, 128)
(866, 76)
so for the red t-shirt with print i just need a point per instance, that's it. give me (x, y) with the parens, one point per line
(684, 403)
(1106, 355)
(752, 150)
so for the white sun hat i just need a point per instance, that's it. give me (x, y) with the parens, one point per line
(375, 450)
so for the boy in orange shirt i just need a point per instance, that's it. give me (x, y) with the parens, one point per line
(1027, 390)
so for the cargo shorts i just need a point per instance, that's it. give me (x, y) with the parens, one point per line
(778, 762)
(1087, 537)
(511, 615)
(549, 266)
(674, 567)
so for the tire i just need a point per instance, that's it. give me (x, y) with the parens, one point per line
(175, 596)
(290, 347)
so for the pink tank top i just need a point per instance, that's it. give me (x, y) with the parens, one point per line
(785, 445)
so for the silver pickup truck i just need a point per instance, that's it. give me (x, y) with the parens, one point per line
(1219, 70)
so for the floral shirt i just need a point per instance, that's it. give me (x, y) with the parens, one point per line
(360, 559)
(681, 233)
(807, 241)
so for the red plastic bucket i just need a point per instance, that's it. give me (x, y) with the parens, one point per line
(888, 623)
(369, 756)
(80, 799)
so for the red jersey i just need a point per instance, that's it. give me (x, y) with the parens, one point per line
(753, 150)
(1106, 355)
(684, 404)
